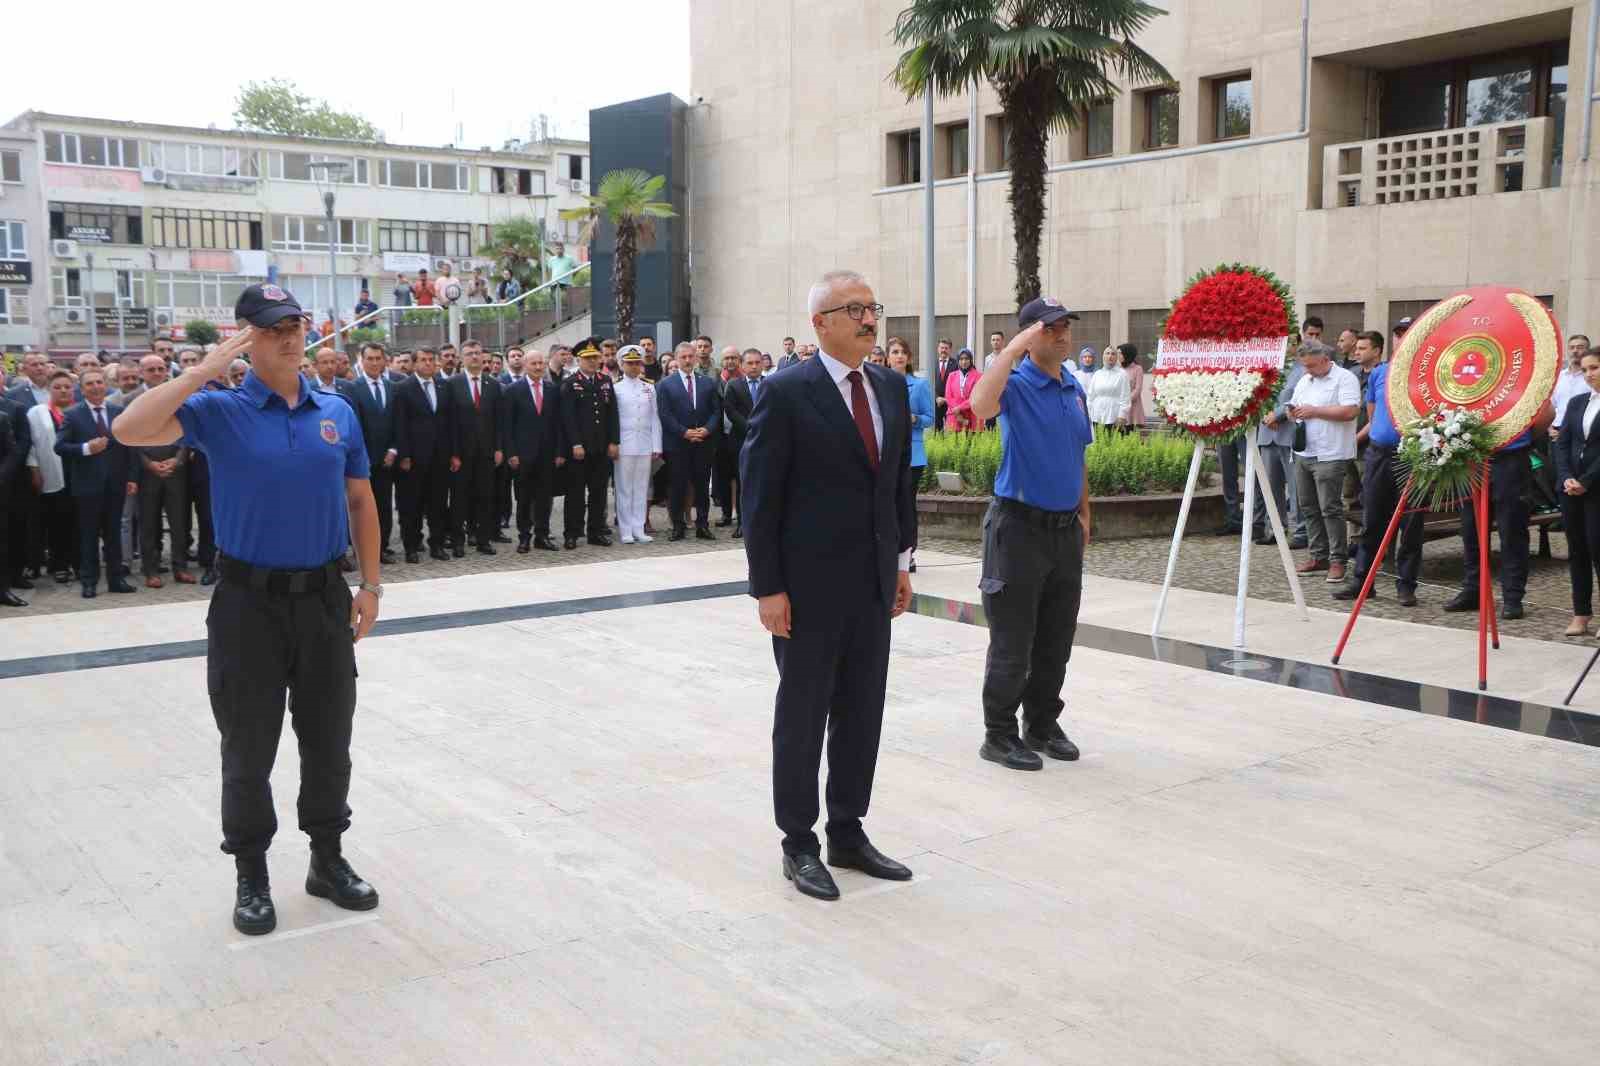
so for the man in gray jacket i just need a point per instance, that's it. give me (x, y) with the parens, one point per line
(1275, 441)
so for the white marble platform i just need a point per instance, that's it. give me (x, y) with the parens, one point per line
(569, 820)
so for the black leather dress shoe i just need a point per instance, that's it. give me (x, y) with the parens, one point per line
(1406, 598)
(438, 553)
(21, 583)
(810, 876)
(1011, 753)
(11, 599)
(600, 541)
(253, 912)
(738, 532)
(870, 861)
(119, 585)
(331, 878)
(459, 552)
(413, 557)
(1511, 610)
(487, 549)
(724, 522)
(677, 534)
(386, 557)
(501, 538)
(702, 533)
(209, 578)
(522, 546)
(546, 544)
(89, 592)
(1463, 601)
(570, 543)
(1052, 741)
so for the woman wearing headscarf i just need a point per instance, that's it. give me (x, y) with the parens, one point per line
(1108, 395)
(958, 388)
(1135, 372)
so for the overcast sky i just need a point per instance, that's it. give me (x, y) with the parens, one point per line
(489, 67)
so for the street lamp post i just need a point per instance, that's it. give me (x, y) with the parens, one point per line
(331, 168)
(94, 329)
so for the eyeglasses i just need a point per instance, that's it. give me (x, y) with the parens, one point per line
(856, 311)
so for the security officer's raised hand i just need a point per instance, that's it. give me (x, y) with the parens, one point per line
(222, 356)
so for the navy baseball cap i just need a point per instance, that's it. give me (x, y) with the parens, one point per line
(266, 305)
(1402, 325)
(1044, 309)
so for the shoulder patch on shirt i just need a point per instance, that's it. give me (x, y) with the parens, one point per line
(330, 431)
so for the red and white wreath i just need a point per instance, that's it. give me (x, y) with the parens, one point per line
(1220, 362)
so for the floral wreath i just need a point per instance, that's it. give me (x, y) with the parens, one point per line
(1238, 318)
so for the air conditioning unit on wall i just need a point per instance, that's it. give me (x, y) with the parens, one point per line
(153, 175)
(163, 318)
(64, 249)
(76, 315)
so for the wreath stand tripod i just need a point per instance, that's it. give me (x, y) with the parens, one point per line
(1488, 628)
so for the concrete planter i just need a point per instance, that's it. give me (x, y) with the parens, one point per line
(1115, 517)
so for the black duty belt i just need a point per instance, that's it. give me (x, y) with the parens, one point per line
(278, 582)
(1038, 516)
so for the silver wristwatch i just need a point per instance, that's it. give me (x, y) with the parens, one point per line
(376, 590)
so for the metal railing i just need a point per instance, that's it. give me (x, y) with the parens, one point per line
(461, 313)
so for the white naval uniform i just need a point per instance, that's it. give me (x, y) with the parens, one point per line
(640, 441)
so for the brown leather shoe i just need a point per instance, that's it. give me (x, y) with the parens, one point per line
(1335, 573)
(183, 577)
(152, 582)
(1311, 566)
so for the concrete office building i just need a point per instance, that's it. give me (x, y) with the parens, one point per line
(179, 220)
(1417, 148)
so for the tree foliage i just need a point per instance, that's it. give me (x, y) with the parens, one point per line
(627, 200)
(278, 106)
(517, 243)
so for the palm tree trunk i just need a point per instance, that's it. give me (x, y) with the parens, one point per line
(624, 277)
(1028, 138)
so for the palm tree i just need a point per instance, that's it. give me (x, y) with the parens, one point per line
(517, 244)
(1048, 59)
(627, 200)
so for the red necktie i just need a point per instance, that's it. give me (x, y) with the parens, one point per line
(691, 391)
(862, 411)
(538, 396)
(474, 394)
(100, 420)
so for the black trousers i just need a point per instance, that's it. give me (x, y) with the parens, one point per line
(472, 500)
(423, 493)
(21, 541)
(100, 522)
(1380, 495)
(1581, 517)
(504, 480)
(383, 491)
(725, 477)
(535, 497)
(163, 496)
(833, 671)
(659, 481)
(689, 468)
(587, 479)
(1032, 586)
(262, 647)
(58, 514)
(1509, 477)
(200, 496)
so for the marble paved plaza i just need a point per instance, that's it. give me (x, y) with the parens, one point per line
(566, 810)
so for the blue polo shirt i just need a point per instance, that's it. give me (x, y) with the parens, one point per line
(1047, 431)
(277, 474)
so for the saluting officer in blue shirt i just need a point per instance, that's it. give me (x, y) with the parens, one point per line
(289, 478)
(1034, 537)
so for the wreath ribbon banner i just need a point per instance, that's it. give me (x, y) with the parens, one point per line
(1259, 353)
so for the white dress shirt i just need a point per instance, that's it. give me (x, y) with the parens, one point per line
(1326, 439)
(42, 455)
(638, 417)
(1590, 409)
(379, 393)
(841, 378)
(1568, 385)
(428, 387)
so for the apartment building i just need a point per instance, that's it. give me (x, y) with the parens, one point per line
(130, 228)
(1377, 154)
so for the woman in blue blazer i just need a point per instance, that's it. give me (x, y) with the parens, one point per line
(1577, 455)
(920, 394)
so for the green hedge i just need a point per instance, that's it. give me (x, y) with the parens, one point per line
(1126, 464)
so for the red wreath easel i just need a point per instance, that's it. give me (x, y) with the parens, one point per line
(1488, 628)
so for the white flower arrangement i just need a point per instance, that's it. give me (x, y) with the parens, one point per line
(1198, 398)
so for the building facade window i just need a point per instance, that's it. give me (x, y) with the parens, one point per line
(310, 233)
(91, 150)
(572, 167)
(422, 174)
(210, 160)
(186, 289)
(1144, 328)
(297, 166)
(1160, 118)
(1336, 318)
(1097, 130)
(129, 288)
(5, 306)
(178, 227)
(957, 155)
(13, 239)
(1231, 99)
(511, 181)
(905, 158)
(1475, 91)
(996, 144)
(1092, 330)
(96, 223)
(11, 168)
(66, 287)
(435, 238)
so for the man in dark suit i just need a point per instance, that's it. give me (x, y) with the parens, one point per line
(738, 402)
(373, 398)
(11, 458)
(830, 519)
(942, 368)
(531, 423)
(99, 472)
(474, 400)
(422, 446)
(19, 504)
(505, 479)
(691, 418)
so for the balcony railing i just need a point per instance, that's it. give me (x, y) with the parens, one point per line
(1443, 165)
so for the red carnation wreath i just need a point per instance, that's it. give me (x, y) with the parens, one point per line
(1220, 363)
